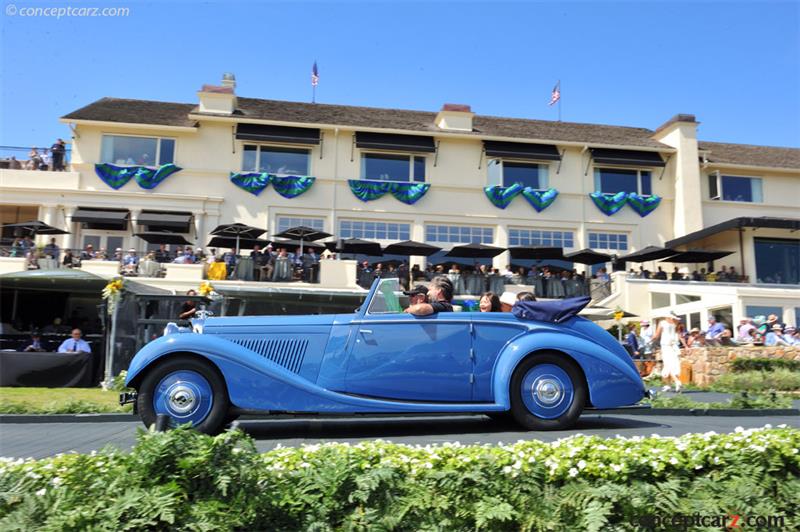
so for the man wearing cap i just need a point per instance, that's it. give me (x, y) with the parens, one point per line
(440, 293)
(790, 335)
(130, 262)
(417, 295)
(714, 332)
(775, 336)
(36, 342)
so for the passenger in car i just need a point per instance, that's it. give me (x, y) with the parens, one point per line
(417, 295)
(440, 293)
(489, 302)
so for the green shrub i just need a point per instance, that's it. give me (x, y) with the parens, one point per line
(741, 401)
(183, 480)
(764, 364)
(777, 379)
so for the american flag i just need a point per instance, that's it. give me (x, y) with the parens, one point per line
(556, 95)
(314, 75)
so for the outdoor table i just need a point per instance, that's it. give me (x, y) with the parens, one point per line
(51, 370)
(244, 269)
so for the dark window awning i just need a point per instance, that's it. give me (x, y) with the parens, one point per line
(763, 222)
(386, 141)
(175, 220)
(100, 216)
(627, 157)
(279, 134)
(521, 150)
(697, 256)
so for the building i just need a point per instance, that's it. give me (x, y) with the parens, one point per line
(712, 195)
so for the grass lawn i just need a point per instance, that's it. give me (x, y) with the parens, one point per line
(59, 401)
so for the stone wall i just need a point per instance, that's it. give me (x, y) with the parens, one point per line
(708, 363)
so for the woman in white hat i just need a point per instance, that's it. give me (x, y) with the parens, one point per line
(667, 333)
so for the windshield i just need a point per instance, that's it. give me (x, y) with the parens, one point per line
(388, 298)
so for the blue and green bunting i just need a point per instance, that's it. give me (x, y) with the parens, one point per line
(501, 196)
(408, 193)
(540, 199)
(252, 182)
(643, 205)
(291, 186)
(147, 177)
(612, 203)
(609, 203)
(288, 186)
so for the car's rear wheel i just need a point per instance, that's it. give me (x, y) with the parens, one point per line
(548, 392)
(186, 389)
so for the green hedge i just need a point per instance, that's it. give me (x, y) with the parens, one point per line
(764, 364)
(184, 480)
(758, 381)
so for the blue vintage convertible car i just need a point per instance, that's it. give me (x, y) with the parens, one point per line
(542, 371)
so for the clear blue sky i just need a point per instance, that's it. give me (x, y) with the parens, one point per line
(735, 65)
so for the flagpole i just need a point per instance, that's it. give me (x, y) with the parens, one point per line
(559, 100)
(313, 93)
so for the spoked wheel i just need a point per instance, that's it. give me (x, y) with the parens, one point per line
(547, 393)
(186, 389)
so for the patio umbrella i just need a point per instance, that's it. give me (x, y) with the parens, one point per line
(355, 246)
(155, 237)
(475, 251)
(536, 252)
(37, 228)
(303, 233)
(237, 243)
(647, 254)
(587, 256)
(238, 231)
(410, 247)
(293, 245)
(694, 256)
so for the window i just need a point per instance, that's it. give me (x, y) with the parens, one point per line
(680, 299)
(276, 160)
(617, 241)
(374, 230)
(287, 222)
(735, 188)
(539, 237)
(141, 151)
(759, 310)
(659, 299)
(506, 173)
(777, 260)
(613, 180)
(459, 234)
(392, 167)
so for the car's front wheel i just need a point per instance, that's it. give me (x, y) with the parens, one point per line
(547, 392)
(186, 389)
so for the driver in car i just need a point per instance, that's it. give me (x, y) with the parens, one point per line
(440, 293)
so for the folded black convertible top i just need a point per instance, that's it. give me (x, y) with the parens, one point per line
(553, 311)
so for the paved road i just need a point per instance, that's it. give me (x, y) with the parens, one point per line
(37, 440)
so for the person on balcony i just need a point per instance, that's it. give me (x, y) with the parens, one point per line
(51, 250)
(59, 149)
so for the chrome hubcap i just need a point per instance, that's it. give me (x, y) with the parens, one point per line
(548, 391)
(181, 398)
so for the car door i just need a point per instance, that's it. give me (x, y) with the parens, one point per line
(491, 333)
(415, 358)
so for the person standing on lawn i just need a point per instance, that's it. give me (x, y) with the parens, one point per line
(667, 334)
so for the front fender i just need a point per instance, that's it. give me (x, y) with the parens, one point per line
(612, 380)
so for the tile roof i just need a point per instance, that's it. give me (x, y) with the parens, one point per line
(135, 112)
(175, 114)
(750, 155)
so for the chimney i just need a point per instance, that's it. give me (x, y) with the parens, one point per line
(455, 117)
(219, 99)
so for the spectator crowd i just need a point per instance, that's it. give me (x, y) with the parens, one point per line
(724, 275)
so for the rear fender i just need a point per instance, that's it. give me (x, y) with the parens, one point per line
(611, 381)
